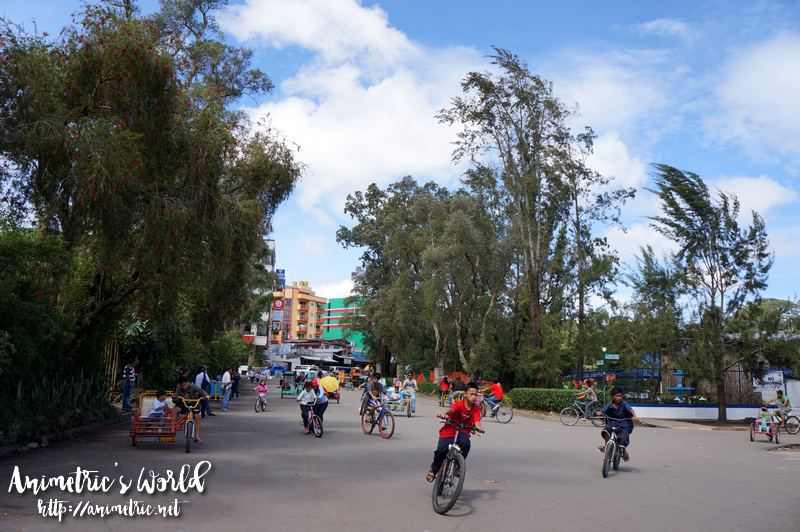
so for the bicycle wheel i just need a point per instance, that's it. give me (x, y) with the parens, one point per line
(483, 409)
(608, 456)
(504, 413)
(448, 483)
(408, 409)
(569, 416)
(366, 422)
(617, 456)
(777, 435)
(264, 405)
(753, 431)
(258, 404)
(316, 426)
(598, 420)
(386, 424)
(792, 424)
(188, 429)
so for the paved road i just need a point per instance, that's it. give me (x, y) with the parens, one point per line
(530, 474)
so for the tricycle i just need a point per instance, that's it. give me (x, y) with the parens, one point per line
(764, 424)
(162, 429)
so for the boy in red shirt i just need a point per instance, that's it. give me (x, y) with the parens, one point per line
(465, 412)
(497, 394)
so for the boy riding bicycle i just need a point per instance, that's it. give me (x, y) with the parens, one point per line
(784, 406)
(591, 398)
(497, 395)
(621, 416)
(465, 412)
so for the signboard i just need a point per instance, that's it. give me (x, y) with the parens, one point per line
(276, 326)
(248, 338)
(768, 382)
(609, 356)
(599, 362)
(281, 274)
(277, 310)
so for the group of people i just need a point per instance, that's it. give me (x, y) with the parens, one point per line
(312, 396)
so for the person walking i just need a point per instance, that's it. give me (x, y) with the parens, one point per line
(226, 388)
(235, 380)
(128, 378)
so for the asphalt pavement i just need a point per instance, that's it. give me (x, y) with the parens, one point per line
(266, 474)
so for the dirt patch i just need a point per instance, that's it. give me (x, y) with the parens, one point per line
(793, 447)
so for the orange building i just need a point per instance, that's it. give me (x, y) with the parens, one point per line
(302, 314)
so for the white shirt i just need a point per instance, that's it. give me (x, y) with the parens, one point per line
(158, 407)
(198, 381)
(307, 397)
(226, 377)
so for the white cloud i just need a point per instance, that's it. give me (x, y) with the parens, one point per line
(363, 109)
(638, 235)
(665, 27)
(340, 289)
(757, 99)
(760, 194)
(616, 91)
(612, 158)
(786, 245)
(314, 244)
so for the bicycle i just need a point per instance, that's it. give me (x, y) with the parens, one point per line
(382, 417)
(792, 423)
(572, 414)
(445, 398)
(613, 451)
(261, 402)
(314, 420)
(187, 420)
(502, 411)
(449, 479)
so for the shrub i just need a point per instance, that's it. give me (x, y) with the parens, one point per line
(545, 399)
(427, 388)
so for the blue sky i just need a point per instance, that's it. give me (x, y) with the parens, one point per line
(709, 87)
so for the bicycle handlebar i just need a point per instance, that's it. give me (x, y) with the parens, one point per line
(470, 428)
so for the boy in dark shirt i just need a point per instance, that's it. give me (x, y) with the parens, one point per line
(620, 415)
(465, 412)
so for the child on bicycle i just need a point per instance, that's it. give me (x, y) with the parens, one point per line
(497, 395)
(375, 390)
(466, 412)
(444, 388)
(591, 398)
(621, 416)
(262, 390)
(784, 406)
(306, 398)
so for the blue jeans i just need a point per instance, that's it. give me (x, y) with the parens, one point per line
(127, 389)
(492, 401)
(413, 399)
(226, 396)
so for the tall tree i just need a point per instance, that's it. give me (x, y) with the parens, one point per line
(161, 198)
(725, 266)
(515, 135)
(590, 201)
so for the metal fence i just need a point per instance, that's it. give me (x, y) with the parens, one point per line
(669, 386)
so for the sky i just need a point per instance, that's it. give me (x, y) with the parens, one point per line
(710, 87)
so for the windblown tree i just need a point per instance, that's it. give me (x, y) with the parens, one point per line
(516, 139)
(726, 267)
(162, 196)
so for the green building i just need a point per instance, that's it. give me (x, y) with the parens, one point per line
(335, 309)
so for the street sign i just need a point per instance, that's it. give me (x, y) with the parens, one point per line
(281, 274)
(609, 356)
(599, 362)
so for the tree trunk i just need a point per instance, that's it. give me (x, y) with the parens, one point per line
(722, 412)
(439, 353)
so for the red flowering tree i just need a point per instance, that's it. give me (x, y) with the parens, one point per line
(162, 195)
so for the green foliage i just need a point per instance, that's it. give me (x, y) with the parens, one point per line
(428, 388)
(541, 398)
